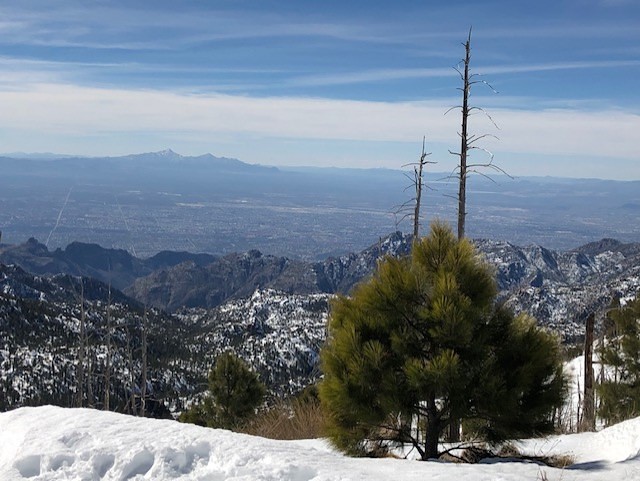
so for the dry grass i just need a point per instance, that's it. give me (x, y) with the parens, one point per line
(509, 451)
(558, 461)
(297, 419)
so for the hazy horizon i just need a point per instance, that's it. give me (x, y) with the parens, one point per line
(403, 168)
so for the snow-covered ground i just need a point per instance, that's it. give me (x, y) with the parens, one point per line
(50, 443)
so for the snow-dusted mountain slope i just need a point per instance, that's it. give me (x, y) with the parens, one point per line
(279, 335)
(50, 443)
(40, 331)
(558, 288)
(279, 332)
(239, 275)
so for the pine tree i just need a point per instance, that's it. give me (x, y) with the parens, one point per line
(620, 355)
(521, 385)
(234, 394)
(235, 390)
(422, 343)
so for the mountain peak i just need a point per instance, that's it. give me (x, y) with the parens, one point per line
(603, 245)
(168, 153)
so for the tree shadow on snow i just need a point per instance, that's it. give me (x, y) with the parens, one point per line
(588, 466)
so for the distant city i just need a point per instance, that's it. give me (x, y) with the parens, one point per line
(162, 201)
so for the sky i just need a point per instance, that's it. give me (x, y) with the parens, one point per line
(331, 83)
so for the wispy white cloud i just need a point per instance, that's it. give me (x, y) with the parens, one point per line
(377, 75)
(570, 65)
(67, 111)
(564, 30)
(145, 25)
(247, 78)
(19, 73)
(34, 65)
(381, 75)
(134, 28)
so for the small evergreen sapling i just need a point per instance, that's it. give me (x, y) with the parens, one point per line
(620, 355)
(235, 392)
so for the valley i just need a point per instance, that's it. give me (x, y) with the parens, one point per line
(148, 203)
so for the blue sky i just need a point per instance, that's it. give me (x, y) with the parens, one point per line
(341, 83)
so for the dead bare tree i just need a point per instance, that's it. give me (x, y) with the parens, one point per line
(468, 141)
(411, 208)
(588, 411)
(143, 381)
(132, 377)
(90, 397)
(82, 345)
(107, 366)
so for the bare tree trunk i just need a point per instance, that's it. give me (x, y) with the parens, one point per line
(143, 392)
(411, 208)
(90, 398)
(464, 141)
(107, 367)
(81, 351)
(588, 410)
(578, 408)
(418, 185)
(454, 425)
(132, 378)
(432, 432)
(468, 143)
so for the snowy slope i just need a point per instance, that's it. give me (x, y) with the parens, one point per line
(619, 443)
(51, 443)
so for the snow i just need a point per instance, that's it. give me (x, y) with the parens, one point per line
(52, 443)
(616, 444)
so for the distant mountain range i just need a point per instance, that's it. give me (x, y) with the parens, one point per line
(560, 289)
(35, 155)
(82, 167)
(171, 280)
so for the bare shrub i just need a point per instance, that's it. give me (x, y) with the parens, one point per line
(296, 419)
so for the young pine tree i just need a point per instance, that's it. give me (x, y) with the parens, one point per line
(235, 390)
(422, 343)
(234, 394)
(620, 355)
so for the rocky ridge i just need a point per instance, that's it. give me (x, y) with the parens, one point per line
(559, 289)
(239, 275)
(115, 266)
